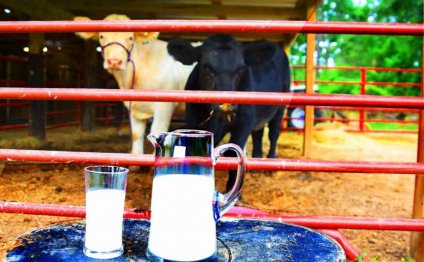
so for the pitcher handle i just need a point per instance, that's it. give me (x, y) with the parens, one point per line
(223, 202)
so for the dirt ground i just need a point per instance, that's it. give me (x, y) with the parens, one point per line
(293, 193)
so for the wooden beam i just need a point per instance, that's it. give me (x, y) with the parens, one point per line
(37, 112)
(88, 116)
(417, 238)
(219, 2)
(310, 80)
(38, 9)
(135, 10)
(146, 3)
(278, 38)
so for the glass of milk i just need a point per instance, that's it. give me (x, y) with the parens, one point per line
(185, 205)
(105, 197)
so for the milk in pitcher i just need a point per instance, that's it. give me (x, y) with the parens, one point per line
(182, 222)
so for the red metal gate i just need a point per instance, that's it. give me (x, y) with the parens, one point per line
(323, 223)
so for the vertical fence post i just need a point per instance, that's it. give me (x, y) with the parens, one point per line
(107, 108)
(37, 112)
(417, 238)
(78, 106)
(8, 77)
(362, 92)
(90, 69)
(310, 80)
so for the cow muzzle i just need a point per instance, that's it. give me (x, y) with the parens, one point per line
(113, 61)
(114, 64)
(226, 111)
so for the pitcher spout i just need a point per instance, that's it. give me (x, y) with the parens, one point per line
(157, 139)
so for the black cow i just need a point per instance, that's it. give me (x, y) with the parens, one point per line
(227, 65)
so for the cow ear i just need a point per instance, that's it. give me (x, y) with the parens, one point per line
(257, 52)
(86, 35)
(183, 51)
(146, 36)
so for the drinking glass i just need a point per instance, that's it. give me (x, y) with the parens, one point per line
(105, 197)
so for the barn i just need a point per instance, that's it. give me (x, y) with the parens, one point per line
(54, 84)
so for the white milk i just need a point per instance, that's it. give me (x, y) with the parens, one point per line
(182, 224)
(104, 216)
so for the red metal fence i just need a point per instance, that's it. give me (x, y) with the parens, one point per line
(362, 83)
(228, 97)
(14, 113)
(108, 115)
(107, 111)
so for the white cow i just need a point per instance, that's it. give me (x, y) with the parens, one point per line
(140, 61)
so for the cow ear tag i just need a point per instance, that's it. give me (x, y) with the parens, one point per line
(146, 37)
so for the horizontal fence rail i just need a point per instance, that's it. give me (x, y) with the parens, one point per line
(234, 97)
(265, 164)
(210, 26)
(365, 123)
(368, 68)
(327, 222)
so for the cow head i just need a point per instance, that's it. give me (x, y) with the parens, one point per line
(223, 63)
(116, 46)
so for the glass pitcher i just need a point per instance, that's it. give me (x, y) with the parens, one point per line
(185, 205)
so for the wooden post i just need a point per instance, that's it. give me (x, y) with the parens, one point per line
(90, 70)
(310, 80)
(417, 238)
(37, 112)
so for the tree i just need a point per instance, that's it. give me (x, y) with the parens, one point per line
(367, 50)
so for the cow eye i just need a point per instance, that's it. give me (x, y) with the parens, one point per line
(100, 36)
(131, 38)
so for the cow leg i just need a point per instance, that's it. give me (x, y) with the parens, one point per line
(162, 117)
(138, 131)
(274, 132)
(257, 142)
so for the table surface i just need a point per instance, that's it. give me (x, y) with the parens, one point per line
(238, 240)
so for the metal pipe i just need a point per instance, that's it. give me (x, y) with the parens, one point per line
(71, 157)
(13, 82)
(362, 91)
(210, 97)
(210, 26)
(351, 252)
(330, 82)
(13, 127)
(322, 222)
(369, 68)
(14, 104)
(336, 222)
(357, 131)
(71, 123)
(372, 109)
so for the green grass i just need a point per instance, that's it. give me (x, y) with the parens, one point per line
(392, 126)
(363, 254)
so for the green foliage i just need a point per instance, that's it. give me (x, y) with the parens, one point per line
(392, 126)
(375, 259)
(407, 260)
(378, 91)
(366, 50)
(362, 256)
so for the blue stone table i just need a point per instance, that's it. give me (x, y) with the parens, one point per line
(238, 240)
